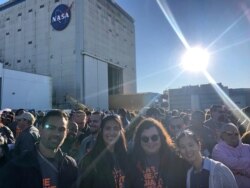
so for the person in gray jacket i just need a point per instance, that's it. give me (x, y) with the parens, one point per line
(204, 172)
(29, 133)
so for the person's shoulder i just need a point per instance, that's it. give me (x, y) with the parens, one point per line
(25, 159)
(33, 129)
(209, 122)
(5, 128)
(86, 161)
(69, 159)
(86, 139)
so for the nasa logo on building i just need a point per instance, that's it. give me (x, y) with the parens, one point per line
(60, 17)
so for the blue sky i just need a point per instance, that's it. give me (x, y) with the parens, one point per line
(158, 48)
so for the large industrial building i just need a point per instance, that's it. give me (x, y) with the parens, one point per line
(201, 97)
(87, 47)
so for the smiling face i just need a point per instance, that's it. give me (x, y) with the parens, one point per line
(53, 133)
(150, 141)
(189, 149)
(111, 132)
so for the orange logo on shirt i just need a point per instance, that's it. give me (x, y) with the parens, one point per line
(151, 178)
(119, 178)
(47, 183)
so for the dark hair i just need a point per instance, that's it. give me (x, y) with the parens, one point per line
(53, 113)
(87, 112)
(153, 112)
(132, 127)
(122, 112)
(198, 113)
(121, 142)
(19, 112)
(100, 148)
(246, 138)
(187, 133)
(214, 107)
(100, 113)
(167, 145)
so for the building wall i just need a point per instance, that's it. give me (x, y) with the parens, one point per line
(109, 36)
(195, 97)
(30, 44)
(97, 27)
(133, 102)
(241, 97)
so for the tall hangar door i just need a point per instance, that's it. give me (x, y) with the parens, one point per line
(95, 83)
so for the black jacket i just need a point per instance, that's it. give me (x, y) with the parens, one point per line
(98, 172)
(24, 172)
(7, 133)
(172, 171)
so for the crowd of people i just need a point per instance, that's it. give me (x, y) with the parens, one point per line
(122, 149)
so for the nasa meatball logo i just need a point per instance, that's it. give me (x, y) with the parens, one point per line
(60, 17)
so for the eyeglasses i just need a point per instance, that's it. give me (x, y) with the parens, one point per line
(53, 128)
(231, 134)
(153, 138)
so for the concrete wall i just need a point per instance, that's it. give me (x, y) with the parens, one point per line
(109, 35)
(101, 28)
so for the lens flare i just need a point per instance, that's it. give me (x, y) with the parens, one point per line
(195, 60)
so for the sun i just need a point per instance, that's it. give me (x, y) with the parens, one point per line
(195, 59)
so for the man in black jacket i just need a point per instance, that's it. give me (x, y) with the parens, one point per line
(46, 166)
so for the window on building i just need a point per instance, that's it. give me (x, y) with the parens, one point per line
(56, 1)
(7, 33)
(20, 14)
(30, 42)
(30, 10)
(115, 80)
(19, 30)
(19, 61)
(41, 6)
(7, 19)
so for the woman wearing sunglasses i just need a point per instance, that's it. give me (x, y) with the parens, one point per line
(105, 165)
(204, 172)
(154, 163)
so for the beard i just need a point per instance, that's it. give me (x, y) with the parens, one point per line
(94, 131)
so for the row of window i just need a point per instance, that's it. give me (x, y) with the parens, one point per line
(30, 10)
(30, 42)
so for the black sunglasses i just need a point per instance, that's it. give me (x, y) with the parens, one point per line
(153, 138)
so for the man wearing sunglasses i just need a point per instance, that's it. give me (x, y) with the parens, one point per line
(46, 165)
(234, 154)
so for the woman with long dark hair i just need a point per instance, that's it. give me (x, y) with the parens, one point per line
(154, 162)
(105, 165)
